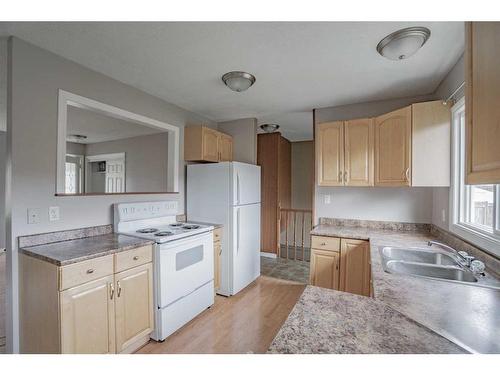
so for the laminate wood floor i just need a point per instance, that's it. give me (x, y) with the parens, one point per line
(2, 300)
(244, 323)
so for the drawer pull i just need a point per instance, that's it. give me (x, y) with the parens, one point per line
(90, 270)
(135, 258)
(323, 243)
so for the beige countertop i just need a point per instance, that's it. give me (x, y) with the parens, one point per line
(465, 314)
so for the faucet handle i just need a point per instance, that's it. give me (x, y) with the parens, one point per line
(463, 253)
(477, 266)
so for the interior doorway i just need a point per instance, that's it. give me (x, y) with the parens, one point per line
(288, 179)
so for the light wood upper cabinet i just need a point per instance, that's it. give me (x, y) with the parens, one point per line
(225, 147)
(134, 305)
(330, 153)
(206, 144)
(430, 138)
(355, 266)
(358, 152)
(393, 148)
(88, 318)
(324, 268)
(482, 109)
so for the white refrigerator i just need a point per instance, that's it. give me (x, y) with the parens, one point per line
(229, 194)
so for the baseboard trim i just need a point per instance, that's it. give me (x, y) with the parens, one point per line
(268, 255)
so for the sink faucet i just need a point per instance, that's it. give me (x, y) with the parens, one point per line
(467, 259)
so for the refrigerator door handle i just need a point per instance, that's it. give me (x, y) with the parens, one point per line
(237, 188)
(237, 231)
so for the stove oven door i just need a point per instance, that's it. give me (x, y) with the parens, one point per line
(182, 267)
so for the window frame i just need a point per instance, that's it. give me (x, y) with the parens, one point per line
(488, 240)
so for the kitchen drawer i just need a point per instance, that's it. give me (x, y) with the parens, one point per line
(133, 258)
(217, 234)
(82, 272)
(325, 243)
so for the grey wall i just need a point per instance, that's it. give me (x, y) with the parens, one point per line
(145, 160)
(75, 148)
(302, 174)
(3, 155)
(244, 133)
(372, 203)
(441, 196)
(35, 77)
(3, 84)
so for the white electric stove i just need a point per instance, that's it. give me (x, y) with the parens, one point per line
(183, 261)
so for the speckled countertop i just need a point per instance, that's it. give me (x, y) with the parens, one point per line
(467, 315)
(66, 252)
(329, 321)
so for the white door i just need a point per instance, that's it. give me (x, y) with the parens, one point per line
(115, 176)
(246, 184)
(246, 245)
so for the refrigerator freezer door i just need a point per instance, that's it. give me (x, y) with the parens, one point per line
(246, 184)
(246, 245)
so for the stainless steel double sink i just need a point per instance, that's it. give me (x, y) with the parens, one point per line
(425, 262)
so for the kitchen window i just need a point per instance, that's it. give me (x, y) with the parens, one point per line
(475, 209)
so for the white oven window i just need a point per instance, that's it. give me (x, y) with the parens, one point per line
(189, 257)
(475, 209)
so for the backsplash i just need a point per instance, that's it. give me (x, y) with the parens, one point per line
(64, 235)
(373, 224)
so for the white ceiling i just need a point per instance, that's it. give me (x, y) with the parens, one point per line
(98, 127)
(298, 66)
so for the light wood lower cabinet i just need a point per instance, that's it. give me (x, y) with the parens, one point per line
(133, 305)
(87, 307)
(355, 267)
(88, 318)
(325, 268)
(345, 268)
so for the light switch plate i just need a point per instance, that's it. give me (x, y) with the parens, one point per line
(33, 215)
(443, 215)
(327, 198)
(54, 213)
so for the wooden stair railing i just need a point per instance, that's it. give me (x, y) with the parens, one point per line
(289, 219)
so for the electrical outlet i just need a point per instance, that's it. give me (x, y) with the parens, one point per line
(33, 215)
(327, 198)
(443, 215)
(54, 213)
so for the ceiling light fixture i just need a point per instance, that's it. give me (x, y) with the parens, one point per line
(76, 138)
(238, 81)
(403, 43)
(269, 128)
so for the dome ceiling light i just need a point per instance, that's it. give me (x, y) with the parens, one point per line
(238, 81)
(269, 128)
(403, 43)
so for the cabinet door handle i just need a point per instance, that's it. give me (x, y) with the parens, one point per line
(220, 251)
(135, 258)
(340, 177)
(90, 270)
(118, 294)
(112, 291)
(407, 174)
(345, 176)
